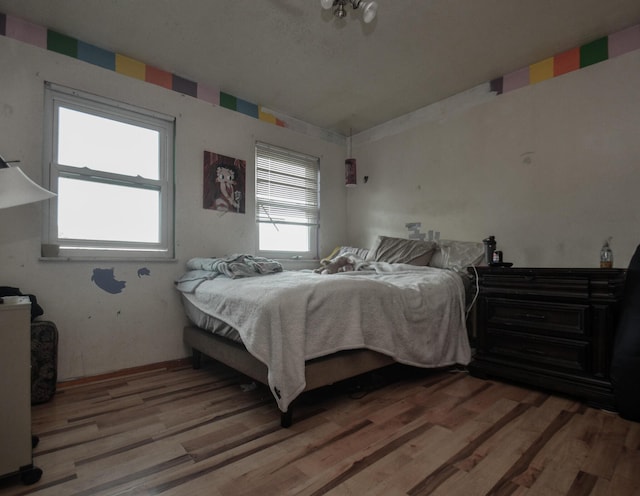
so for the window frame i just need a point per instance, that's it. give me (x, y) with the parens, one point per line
(57, 96)
(313, 226)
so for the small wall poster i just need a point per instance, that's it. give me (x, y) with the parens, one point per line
(224, 183)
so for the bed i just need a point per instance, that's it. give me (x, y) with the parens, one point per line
(400, 301)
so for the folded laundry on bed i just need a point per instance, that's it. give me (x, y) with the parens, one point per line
(232, 266)
(236, 265)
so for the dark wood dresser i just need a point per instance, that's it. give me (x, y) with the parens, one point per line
(550, 328)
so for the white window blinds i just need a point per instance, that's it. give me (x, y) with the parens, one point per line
(287, 186)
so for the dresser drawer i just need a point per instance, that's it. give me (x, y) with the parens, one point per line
(543, 352)
(542, 317)
(548, 327)
(536, 284)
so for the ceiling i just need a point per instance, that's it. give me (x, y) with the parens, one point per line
(293, 57)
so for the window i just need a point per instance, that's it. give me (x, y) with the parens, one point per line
(287, 202)
(111, 166)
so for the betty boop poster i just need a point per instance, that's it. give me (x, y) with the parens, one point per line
(224, 183)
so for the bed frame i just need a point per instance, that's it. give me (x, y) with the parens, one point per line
(319, 372)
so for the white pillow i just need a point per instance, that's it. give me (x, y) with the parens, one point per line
(457, 255)
(358, 252)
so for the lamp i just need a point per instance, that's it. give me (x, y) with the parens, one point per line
(17, 189)
(350, 169)
(350, 173)
(369, 8)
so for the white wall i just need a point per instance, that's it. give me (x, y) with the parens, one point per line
(551, 170)
(102, 332)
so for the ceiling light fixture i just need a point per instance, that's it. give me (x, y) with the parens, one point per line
(369, 8)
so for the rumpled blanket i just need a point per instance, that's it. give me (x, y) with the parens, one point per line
(233, 266)
(413, 314)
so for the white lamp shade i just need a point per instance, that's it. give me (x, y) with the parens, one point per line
(17, 189)
(326, 4)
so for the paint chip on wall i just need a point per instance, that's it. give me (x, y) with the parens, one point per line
(105, 279)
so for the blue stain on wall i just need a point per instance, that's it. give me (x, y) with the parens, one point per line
(105, 279)
(144, 272)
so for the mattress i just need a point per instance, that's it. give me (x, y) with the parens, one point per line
(414, 315)
(208, 322)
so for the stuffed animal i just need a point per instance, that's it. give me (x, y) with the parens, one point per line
(339, 264)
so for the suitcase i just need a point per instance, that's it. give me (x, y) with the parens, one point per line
(44, 360)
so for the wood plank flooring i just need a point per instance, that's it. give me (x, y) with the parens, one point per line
(398, 432)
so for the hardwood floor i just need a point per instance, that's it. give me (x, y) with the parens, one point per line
(204, 432)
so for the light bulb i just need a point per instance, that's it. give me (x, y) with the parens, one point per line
(370, 11)
(326, 4)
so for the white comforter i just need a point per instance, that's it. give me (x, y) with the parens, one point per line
(414, 314)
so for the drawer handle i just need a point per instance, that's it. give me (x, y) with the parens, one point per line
(532, 316)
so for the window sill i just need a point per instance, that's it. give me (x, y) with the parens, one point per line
(107, 259)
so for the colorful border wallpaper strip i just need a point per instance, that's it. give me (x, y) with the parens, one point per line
(33, 34)
(571, 60)
(588, 54)
(48, 39)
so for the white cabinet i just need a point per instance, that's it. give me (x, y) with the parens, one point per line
(15, 392)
